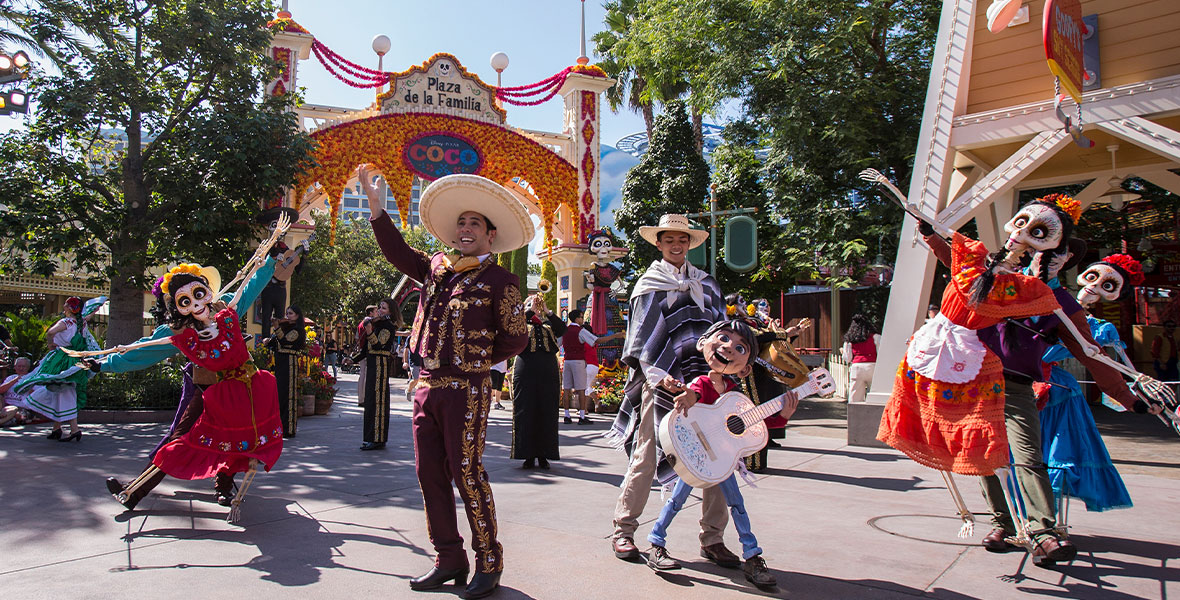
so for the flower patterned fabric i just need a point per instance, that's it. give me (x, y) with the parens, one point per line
(937, 415)
(241, 416)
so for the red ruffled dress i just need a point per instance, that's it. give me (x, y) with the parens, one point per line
(241, 415)
(947, 406)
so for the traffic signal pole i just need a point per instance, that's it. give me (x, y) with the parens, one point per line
(713, 214)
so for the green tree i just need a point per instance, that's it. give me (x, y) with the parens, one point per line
(831, 87)
(520, 267)
(201, 147)
(46, 30)
(340, 280)
(613, 47)
(670, 178)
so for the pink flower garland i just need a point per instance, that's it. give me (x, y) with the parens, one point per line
(334, 63)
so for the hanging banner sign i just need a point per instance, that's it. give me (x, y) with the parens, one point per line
(437, 155)
(1063, 31)
(441, 85)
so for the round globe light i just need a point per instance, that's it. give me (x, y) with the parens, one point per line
(499, 61)
(381, 44)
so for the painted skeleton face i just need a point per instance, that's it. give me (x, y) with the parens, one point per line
(1035, 227)
(1099, 282)
(192, 300)
(762, 305)
(1056, 262)
(600, 247)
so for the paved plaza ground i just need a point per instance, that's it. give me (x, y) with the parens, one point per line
(332, 522)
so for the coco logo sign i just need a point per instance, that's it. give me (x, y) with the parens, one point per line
(436, 155)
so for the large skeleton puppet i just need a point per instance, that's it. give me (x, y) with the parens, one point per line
(602, 309)
(1113, 279)
(947, 408)
(240, 427)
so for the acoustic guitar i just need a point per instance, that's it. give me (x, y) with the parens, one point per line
(287, 261)
(705, 445)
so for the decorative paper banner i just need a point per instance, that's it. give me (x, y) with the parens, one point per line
(1063, 44)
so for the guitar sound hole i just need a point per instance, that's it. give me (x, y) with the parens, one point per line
(735, 425)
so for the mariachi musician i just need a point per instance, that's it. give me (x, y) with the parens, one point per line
(380, 337)
(287, 342)
(776, 369)
(288, 261)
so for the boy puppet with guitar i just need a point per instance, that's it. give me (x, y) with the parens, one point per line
(710, 441)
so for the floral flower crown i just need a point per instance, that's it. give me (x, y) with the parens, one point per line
(1128, 264)
(189, 268)
(1067, 204)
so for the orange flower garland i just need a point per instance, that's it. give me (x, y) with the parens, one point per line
(381, 141)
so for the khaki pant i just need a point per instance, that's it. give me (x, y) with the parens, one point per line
(860, 376)
(637, 485)
(1022, 420)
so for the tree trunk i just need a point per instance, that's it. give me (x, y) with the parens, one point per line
(649, 120)
(698, 136)
(129, 248)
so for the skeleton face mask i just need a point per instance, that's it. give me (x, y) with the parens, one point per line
(600, 247)
(1056, 262)
(192, 300)
(1035, 227)
(1099, 282)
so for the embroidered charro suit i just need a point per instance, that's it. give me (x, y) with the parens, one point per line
(466, 322)
(378, 351)
(287, 343)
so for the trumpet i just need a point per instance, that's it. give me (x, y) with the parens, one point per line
(544, 286)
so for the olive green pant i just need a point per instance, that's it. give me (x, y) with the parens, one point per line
(1023, 423)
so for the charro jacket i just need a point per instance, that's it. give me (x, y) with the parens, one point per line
(468, 321)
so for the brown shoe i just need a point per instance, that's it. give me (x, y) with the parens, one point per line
(996, 541)
(1052, 550)
(624, 548)
(757, 574)
(659, 559)
(721, 556)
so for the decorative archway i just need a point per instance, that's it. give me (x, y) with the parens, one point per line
(404, 145)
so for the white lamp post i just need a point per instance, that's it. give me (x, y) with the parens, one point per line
(499, 63)
(381, 45)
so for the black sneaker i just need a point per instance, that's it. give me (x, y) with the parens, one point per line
(569, 421)
(659, 560)
(585, 421)
(757, 573)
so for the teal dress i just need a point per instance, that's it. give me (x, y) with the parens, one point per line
(1079, 464)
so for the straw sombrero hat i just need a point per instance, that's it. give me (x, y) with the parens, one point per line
(674, 222)
(450, 196)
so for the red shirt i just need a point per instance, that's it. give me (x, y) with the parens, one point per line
(703, 386)
(591, 354)
(864, 352)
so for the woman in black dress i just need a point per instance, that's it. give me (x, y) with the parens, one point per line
(287, 343)
(380, 337)
(536, 388)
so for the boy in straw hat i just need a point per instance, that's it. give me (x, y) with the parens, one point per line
(672, 305)
(470, 317)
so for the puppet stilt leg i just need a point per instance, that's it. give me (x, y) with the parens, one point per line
(130, 488)
(968, 528)
(235, 511)
(1015, 508)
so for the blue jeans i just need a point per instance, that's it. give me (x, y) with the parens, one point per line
(737, 508)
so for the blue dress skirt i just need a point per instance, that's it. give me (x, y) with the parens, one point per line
(1079, 464)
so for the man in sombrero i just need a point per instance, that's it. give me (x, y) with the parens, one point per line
(672, 305)
(470, 317)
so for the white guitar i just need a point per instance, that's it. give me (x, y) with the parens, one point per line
(705, 445)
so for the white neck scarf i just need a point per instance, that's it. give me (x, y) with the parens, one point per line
(661, 276)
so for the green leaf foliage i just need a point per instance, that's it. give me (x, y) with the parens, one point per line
(154, 145)
(341, 280)
(670, 178)
(549, 272)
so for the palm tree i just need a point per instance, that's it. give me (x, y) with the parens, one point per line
(51, 31)
(614, 46)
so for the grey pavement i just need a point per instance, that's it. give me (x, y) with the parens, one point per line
(330, 521)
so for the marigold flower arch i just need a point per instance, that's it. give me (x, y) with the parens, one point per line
(381, 141)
